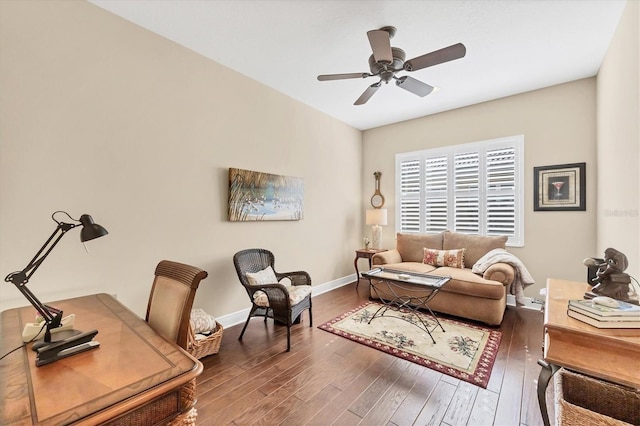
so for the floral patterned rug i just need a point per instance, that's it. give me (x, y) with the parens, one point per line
(464, 350)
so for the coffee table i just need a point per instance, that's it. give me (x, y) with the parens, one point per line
(424, 287)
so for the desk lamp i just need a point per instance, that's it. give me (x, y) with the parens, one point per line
(376, 217)
(49, 351)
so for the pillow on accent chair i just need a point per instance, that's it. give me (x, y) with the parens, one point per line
(452, 258)
(266, 276)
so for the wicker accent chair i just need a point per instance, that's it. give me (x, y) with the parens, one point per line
(171, 300)
(283, 303)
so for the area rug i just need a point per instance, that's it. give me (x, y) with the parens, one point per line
(464, 350)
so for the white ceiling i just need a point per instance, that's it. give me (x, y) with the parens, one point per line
(512, 46)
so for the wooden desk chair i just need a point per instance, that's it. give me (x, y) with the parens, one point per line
(171, 300)
(269, 298)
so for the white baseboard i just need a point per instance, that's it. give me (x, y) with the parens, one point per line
(240, 317)
(528, 303)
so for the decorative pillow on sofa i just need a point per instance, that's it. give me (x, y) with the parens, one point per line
(452, 258)
(266, 276)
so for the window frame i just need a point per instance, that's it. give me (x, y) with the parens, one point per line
(515, 142)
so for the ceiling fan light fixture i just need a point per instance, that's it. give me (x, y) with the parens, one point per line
(386, 61)
(414, 86)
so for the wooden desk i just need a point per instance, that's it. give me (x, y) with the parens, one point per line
(364, 254)
(609, 354)
(134, 373)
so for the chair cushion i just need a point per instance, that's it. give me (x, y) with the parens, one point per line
(296, 295)
(266, 276)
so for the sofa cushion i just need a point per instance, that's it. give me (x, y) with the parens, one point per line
(476, 246)
(410, 246)
(453, 258)
(411, 267)
(463, 281)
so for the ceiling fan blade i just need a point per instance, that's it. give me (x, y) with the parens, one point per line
(326, 77)
(381, 45)
(446, 54)
(367, 94)
(414, 86)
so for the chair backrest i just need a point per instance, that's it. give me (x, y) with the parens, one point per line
(171, 300)
(252, 260)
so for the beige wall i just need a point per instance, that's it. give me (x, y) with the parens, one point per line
(100, 116)
(558, 124)
(619, 141)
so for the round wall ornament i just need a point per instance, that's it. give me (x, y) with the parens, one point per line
(377, 200)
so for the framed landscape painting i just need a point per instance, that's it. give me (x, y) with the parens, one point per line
(560, 187)
(257, 196)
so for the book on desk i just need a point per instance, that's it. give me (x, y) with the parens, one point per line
(625, 315)
(623, 308)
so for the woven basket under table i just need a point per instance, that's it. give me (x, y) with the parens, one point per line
(586, 401)
(208, 346)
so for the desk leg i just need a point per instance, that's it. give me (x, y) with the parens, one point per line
(546, 372)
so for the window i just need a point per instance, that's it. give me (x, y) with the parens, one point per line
(473, 188)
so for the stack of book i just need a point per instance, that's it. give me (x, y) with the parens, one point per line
(625, 315)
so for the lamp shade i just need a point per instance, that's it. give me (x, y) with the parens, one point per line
(376, 217)
(90, 230)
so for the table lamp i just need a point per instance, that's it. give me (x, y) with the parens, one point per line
(49, 351)
(376, 218)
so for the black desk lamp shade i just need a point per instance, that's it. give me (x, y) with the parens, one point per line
(90, 230)
(51, 315)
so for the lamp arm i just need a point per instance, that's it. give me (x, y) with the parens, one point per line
(21, 278)
(52, 316)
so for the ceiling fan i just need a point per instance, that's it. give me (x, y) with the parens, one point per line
(386, 61)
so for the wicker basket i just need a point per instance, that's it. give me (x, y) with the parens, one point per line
(585, 401)
(208, 346)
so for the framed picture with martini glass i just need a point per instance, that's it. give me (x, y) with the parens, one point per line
(560, 187)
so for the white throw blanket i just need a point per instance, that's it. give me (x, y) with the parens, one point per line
(522, 277)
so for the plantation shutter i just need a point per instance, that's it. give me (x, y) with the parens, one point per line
(473, 189)
(500, 189)
(410, 189)
(466, 178)
(436, 194)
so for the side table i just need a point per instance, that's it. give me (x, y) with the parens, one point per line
(364, 254)
(610, 354)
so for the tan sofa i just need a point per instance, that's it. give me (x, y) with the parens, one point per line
(468, 295)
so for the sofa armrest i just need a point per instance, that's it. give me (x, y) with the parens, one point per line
(390, 256)
(501, 272)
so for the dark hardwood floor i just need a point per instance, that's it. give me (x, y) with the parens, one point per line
(326, 379)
